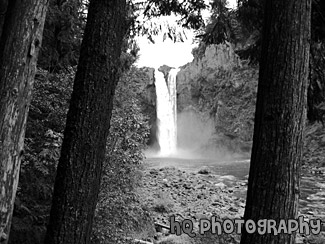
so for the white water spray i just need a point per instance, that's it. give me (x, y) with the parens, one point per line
(166, 112)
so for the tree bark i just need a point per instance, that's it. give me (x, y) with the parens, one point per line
(273, 187)
(83, 151)
(20, 42)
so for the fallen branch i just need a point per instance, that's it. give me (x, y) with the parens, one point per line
(162, 225)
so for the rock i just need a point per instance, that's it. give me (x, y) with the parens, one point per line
(204, 171)
(158, 235)
(153, 172)
(148, 98)
(299, 240)
(216, 204)
(200, 216)
(228, 177)
(242, 204)
(233, 209)
(320, 185)
(165, 70)
(167, 185)
(220, 185)
(201, 186)
(187, 186)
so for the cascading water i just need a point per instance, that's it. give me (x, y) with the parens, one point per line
(166, 112)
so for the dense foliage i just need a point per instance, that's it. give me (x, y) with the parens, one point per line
(190, 11)
(119, 209)
(44, 130)
(128, 136)
(63, 33)
(45, 125)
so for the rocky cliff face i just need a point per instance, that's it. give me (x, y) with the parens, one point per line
(148, 100)
(217, 87)
(148, 86)
(207, 65)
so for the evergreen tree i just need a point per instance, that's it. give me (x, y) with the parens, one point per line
(83, 150)
(273, 185)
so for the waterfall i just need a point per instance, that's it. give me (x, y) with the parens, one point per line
(166, 112)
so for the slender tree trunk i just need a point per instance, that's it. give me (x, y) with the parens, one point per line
(273, 187)
(83, 150)
(19, 46)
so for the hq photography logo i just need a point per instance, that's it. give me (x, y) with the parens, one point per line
(263, 226)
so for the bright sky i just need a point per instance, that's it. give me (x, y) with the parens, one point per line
(168, 52)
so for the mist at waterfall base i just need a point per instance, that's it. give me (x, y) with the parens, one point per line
(186, 135)
(195, 136)
(195, 139)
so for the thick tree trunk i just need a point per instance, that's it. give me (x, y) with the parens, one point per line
(273, 187)
(83, 150)
(19, 45)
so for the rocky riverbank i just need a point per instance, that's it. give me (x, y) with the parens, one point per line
(200, 195)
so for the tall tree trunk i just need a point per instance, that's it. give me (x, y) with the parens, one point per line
(19, 46)
(88, 121)
(273, 187)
